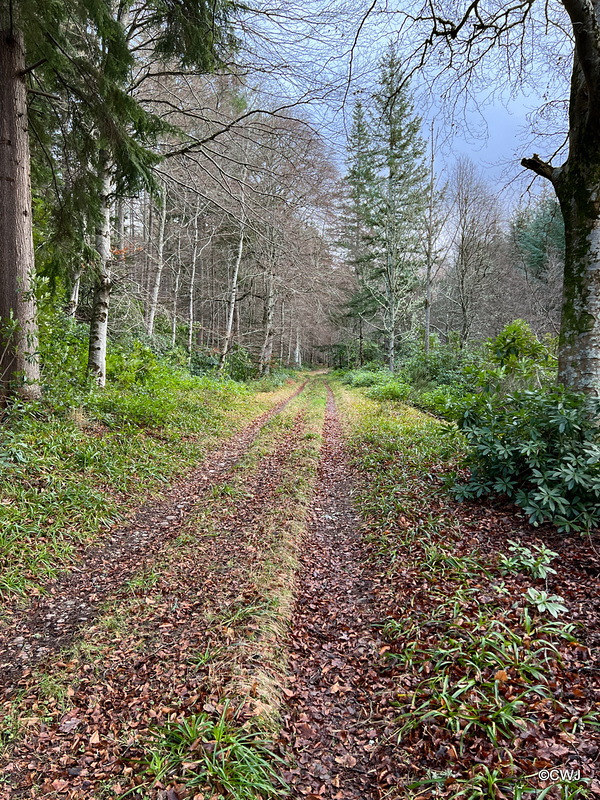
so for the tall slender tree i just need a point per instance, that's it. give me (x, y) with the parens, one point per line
(388, 188)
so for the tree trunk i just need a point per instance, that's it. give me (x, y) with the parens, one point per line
(19, 359)
(160, 262)
(102, 289)
(193, 281)
(267, 348)
(74, 294)
(392, 330)
(429, 245)
(232, 301)
(577, 186)
(579, 343)
(297, 350)
(121, 228)
(281, 338)
(235, 276)
(175, 298)
(361, 345)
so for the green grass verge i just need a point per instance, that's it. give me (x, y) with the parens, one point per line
(66, 478)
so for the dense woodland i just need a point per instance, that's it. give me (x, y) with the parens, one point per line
(299, 456)
(188, 213)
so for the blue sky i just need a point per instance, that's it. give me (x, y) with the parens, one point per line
(307, 49)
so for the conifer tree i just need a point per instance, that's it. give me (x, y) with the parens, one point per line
(361, 179)
(388, 182)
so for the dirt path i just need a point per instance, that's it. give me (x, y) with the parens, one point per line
(50, 622)
(194, 637)
(333, 725)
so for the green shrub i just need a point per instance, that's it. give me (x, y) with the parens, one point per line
(63, 357)
(540, 449)
(443, 400)
(395, 390)
(203, 360)
(366, 377)
(239, 365)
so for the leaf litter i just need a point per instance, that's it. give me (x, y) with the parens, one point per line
(367, 643)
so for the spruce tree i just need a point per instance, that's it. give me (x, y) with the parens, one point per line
(361, 179)
(387, 178)
(398, 223)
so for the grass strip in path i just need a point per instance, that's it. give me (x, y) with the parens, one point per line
(493, 689)
(203, 623)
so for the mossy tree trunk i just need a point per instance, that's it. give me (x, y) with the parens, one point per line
(19, 364)
(577, 186)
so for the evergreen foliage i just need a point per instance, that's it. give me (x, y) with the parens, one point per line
(387, 190)
(538, 448)
(539, 236)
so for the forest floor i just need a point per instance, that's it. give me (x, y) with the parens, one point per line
(307, 611)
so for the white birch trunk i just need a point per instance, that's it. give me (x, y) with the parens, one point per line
(234, 277)
(264, 364)
(297, 350)
(160, 262)
(102, 289)
(74, 294)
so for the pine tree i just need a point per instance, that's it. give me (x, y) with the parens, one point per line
(395, 240)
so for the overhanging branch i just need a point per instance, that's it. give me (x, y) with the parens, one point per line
(540, 167)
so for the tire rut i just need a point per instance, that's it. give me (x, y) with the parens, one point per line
(332, 725)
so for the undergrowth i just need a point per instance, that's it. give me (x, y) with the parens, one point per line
(483, 655)
(66, 476)
(202, 752)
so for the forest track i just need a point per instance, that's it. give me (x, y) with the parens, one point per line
(332, 725)
(50, 621)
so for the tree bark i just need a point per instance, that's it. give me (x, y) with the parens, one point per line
(267, 348)
(193, 281)
(175, 298)
(104, 282)
(74, 293)
(235, 276)
(429, 269)
(281, 338)
(232, 301)
(160, 262)
(297, 350)
(577, 186)
(19, 358)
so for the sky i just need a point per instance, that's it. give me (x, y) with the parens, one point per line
(326, 54)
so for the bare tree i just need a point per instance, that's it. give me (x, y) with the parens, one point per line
(475, 228)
